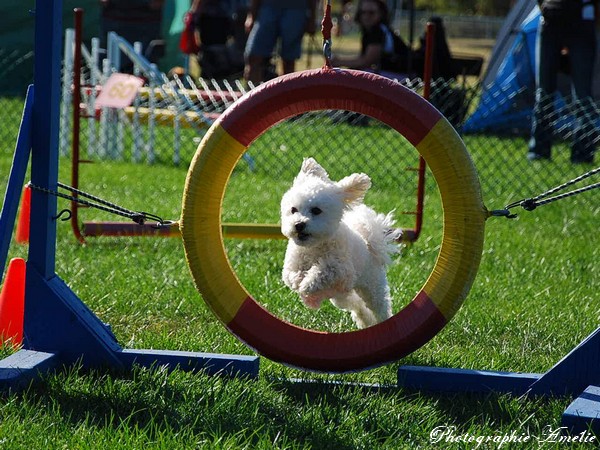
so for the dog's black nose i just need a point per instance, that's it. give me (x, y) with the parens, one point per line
(300, 226)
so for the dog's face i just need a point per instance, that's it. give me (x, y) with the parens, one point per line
(312, 209)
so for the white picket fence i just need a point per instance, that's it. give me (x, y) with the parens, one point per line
(175, 102)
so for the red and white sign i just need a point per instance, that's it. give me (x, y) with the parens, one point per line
(119, 91)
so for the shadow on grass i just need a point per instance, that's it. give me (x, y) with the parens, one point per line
(255, 413)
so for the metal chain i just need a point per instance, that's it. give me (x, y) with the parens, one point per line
(529, 204)
(138, 217)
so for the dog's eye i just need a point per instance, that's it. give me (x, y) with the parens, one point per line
(315, 211)
(294, 210)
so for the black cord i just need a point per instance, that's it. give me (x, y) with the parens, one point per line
(138, 217)
(529, 204)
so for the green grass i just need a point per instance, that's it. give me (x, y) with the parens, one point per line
(532, 301)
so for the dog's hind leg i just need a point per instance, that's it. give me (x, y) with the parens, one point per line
(377, 299)
(361, 315)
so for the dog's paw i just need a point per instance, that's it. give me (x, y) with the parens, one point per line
(292, 280)
(310, 286)
(363, 319)
(312, 301)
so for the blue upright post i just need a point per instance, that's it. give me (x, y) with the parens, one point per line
(16, 180)
(44, 151)
(59, 329)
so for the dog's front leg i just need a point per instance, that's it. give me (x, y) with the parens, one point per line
(313, 287)
(293, 278)
(326, 279)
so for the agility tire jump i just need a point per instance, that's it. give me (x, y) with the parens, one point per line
(433, 137)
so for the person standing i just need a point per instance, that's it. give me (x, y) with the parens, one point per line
(564, 24)
(269, 21)
(213, 24)
(212, 20)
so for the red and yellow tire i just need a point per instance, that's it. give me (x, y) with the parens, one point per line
(421, 124)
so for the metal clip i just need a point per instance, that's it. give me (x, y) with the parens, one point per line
(164, 224)
(502, 213)
(63, 212)
(327, 49)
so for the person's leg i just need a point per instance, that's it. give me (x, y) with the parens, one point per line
(548, 47)
(254, 69)
(260, 44)
(213, 56)
(582, 51)
(288, 66)
(292, 26)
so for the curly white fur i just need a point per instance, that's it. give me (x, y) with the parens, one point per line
(338, 247)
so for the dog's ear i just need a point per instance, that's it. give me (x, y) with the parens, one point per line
(354, 187)
(312, 167)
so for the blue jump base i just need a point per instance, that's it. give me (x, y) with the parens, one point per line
(576, 375)
(59, 329)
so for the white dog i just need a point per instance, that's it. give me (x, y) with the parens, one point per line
(338, 247)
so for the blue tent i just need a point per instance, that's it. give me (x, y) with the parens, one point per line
(506, 102)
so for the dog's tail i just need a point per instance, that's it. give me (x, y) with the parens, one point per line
(391, 237)
(380, 233)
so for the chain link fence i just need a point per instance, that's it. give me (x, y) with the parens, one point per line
(168, 119)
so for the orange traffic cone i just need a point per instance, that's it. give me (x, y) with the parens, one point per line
(12, 303)
(22, 234)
